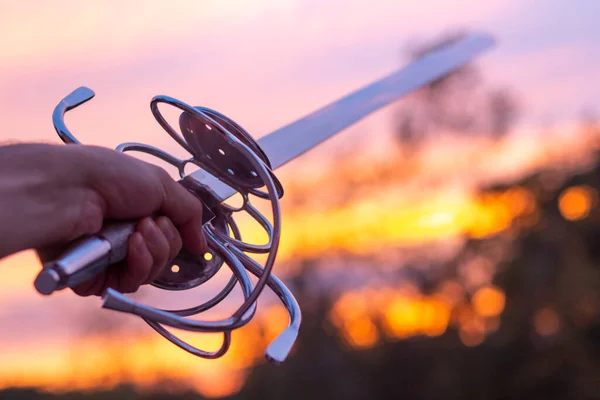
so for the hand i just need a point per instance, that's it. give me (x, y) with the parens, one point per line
(53, 194)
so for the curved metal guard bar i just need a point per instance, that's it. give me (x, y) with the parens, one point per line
(248, 150)
(230, 249)
(73, 100)
(234, 162)
(262, 170)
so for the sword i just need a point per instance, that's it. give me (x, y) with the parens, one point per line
(291, 141)
(232, 162)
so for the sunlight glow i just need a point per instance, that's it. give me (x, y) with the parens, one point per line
(489, 301)
(406, 314)
(146, 361)
(575, 203)
(361, 332)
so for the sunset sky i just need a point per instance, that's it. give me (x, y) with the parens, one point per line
(264, 64)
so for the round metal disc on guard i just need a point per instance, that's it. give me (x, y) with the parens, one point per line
(188, 271)
(237, 131)
(213, 148)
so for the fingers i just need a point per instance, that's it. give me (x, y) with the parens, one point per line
(173, 237)
(139, 264)
(186, 212)
(127, 188)
(150, 248)
(93, 286)
(132, 189)
(193, 237)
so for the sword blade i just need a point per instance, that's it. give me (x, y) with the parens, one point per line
(296, 138)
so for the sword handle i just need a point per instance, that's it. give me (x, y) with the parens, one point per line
(85, 258)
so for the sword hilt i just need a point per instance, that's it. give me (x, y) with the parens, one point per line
(89, 256)
(224, 151)
(85, 258)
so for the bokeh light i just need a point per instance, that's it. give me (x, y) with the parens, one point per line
(575, 203)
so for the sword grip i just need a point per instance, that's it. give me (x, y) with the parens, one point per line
(85, 258)
(89, 256)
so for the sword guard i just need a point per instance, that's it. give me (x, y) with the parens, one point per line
(218, 145)
(225, 150)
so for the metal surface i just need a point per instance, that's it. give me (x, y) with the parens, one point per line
(294, 139)
(231, 162)
(110, 244)
(81, 261)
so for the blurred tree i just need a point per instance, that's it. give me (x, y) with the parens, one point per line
(461, 103)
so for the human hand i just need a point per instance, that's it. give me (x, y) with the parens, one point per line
(53, 194)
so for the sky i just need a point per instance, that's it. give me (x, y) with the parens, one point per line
(264, 64)
(287, 57)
